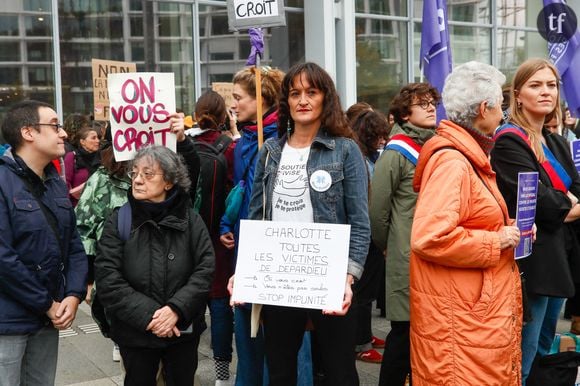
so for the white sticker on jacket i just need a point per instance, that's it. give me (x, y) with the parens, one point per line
(320, 180)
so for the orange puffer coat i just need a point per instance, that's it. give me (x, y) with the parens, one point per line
(466, 312)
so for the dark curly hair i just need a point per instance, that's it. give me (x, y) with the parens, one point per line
(370, 126)
(333, 119)
(401, 103)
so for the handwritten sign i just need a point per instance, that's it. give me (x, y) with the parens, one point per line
(526, 212)
(292, 264)
(226, 90)
(575, 151)
(101, 69)
(244, 14)
(141, 103)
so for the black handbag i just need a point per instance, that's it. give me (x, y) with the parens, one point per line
(557, 368)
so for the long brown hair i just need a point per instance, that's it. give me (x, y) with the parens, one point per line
(333, 119)
(524, 72)
(210, 110)
(271, 80)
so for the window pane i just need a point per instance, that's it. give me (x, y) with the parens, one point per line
(8, 25)
(514, 47)
(39, 52)
(518, 12)
(10, 52)
(137, 52)
(136, 25)
(169, 51)
(40, 76)
(36, 5)
(475, 11)
(169, 25)
(9, 76)
(382, 7)
(381, 53)
(470, 43)
(37, 25)
(294, 3)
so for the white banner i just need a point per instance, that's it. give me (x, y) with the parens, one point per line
(292, 264)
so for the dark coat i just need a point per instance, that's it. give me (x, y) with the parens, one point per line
(32, 272)
(169, 261)
(547, 270)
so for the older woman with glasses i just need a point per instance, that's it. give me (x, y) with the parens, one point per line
(154, 280)
(465, 295)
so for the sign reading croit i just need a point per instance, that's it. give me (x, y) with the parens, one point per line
(244, 14)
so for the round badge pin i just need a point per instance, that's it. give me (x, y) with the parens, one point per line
(320, 180)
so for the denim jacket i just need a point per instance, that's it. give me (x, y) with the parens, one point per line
(345, 202)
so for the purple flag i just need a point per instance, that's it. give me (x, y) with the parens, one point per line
(257, 44)
(566, 57)
(435, 48)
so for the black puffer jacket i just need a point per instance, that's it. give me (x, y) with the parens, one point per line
(167, 260)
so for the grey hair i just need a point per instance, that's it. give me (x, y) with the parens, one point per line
(171, 164)
(466, 87)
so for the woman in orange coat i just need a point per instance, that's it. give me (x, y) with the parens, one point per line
(465, 287)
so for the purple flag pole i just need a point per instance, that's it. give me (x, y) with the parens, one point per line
(257, 47)
(435, 53)
(257, 43)
(566, 57)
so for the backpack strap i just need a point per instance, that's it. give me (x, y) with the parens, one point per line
(406, 146)
(124, 221)
(222, 143)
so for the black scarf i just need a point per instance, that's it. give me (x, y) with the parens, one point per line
(86, 160)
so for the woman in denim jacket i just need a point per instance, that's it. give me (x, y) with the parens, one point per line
(314, 172)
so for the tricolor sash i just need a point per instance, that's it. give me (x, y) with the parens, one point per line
(406, 146)
(556, 173)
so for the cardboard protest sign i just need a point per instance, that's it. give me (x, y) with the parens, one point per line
(141, 104)
(226, 90)
(244, 14)
(292, 264)
(526, 211)
(101, 69)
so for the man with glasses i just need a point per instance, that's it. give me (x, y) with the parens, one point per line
(391, 211)
(43, 266)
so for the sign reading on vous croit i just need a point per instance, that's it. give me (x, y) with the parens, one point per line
(141, 103)
(244, 14)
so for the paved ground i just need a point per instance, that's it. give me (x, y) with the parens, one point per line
(85, 356)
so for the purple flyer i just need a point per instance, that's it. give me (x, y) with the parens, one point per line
(575, 151)
(526, 212)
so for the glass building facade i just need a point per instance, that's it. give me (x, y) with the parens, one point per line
(46, 46)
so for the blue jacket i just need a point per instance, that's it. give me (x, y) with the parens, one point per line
(244, 153)
(345, 202)
(32, 273)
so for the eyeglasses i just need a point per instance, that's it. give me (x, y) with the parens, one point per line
(55, 126)
(145, 175)
(425, 104)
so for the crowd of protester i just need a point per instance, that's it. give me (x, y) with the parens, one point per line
(152, 242)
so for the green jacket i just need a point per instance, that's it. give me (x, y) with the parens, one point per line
(102, 194)
(391, 210)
